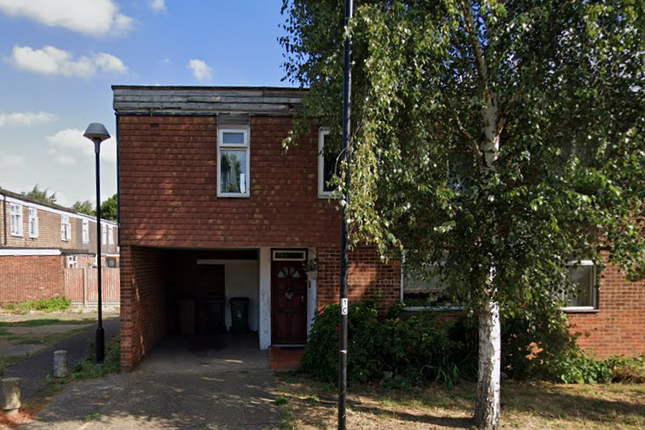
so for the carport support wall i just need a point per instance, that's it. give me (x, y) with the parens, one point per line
(265, 298)
(143, 302)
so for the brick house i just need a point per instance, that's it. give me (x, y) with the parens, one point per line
(39, 241)
(211, 207)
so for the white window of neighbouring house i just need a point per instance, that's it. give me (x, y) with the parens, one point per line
(326, 165)
(583, 275)
(16, 219)
(424, 289)
(33, 223)
(72, 262)
(65, 228)
(86, 231)
(110, 235)
(233, 162)
(104, 234)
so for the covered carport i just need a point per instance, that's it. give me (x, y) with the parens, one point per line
(184, 293)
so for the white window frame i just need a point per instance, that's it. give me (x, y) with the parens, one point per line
(593, 293)
(246, 146)
(16, 219)
(86, 231)
(110, 235)
(65, 228)
(103, 234)
(322, 193)
(72, 261)
(33, 223)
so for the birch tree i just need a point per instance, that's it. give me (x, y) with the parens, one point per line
(500, 139)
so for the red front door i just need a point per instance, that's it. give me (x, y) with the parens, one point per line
(288, 303)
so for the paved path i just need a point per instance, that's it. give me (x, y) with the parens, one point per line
(142, 401)
(34, 370)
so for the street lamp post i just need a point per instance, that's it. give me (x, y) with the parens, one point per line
(97, 133)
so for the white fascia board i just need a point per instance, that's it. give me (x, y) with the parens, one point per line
(29, 252)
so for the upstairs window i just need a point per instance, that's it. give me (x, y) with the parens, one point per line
(33, 223)
(65, 228)
(103, 235)
(86, 231)
(233, 162)
(326, 165)
(16, 219)
(584, 276)
(110, 235)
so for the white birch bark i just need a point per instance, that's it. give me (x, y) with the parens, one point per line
(488, 409)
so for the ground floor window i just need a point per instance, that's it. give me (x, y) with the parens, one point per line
(583, 275)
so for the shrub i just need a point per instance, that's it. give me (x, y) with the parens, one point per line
(625, 369)
(417, 348)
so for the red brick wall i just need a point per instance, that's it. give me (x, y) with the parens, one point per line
(143, 302)
(618, 328)
(169, 196)
(368, 277)
(25, 278)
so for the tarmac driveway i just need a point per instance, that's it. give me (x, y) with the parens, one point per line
(224, 401)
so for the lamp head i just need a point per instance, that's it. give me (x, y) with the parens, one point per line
(97, 133)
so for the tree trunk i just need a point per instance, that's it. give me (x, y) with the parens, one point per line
(487, 410)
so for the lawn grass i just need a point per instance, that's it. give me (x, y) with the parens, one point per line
(58, 304)
(527, 406)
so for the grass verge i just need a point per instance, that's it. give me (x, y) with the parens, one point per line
(310, 405)
(88, 369)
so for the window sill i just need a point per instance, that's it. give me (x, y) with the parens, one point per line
(233, 196)
(433, 308)
(16, 235)
(580, 310)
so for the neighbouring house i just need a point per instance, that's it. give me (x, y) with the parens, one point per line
(213, 208)
(49, 251)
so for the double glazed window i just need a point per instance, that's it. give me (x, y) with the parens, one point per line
(86, 231)
(326, 165)
(584, 276)
(16, 219)
(33, 223)
(233, 162)
(65, 228)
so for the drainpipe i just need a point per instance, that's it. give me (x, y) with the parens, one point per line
(118, 184)
(4, 215)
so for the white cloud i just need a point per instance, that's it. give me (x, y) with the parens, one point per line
(94, 18)
(26, 119)
(8, 160)
(53, 61)
(201, 71)
(158, 5)
(69, 147)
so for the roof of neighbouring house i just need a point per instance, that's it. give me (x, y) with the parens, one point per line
(177, 100)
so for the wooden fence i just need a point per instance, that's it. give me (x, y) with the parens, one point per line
(81, 285)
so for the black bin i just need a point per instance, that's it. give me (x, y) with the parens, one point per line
(239, 315)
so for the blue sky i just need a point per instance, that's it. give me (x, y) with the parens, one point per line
(59, 58)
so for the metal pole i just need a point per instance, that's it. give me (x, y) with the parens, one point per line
(344, 305)
(100, 334)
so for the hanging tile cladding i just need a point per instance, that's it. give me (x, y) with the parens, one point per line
(168, 187)
(618, 328)
(143, 302)
(368, 277)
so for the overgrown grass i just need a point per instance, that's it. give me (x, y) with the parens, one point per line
(58, 304)
(88, 369)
